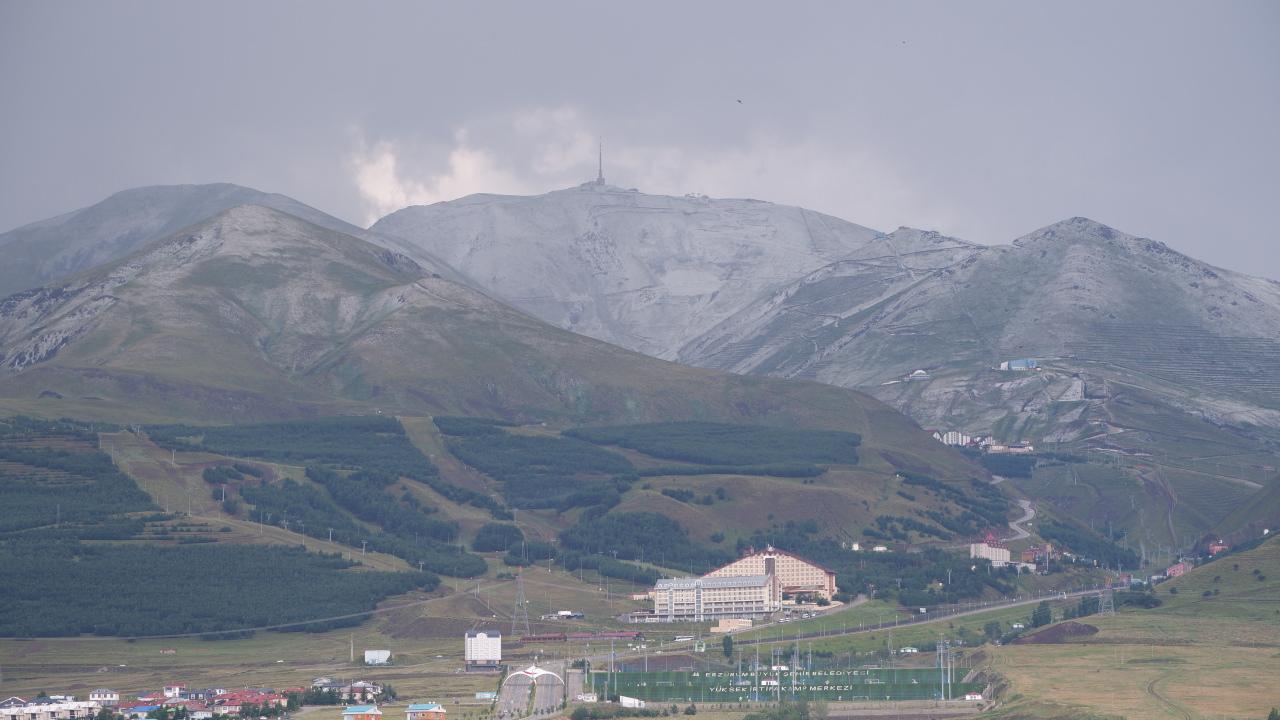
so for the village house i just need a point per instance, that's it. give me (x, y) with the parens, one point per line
(1177, 569)
(105, 697)
(360, 691)
(424, 711)
(232, 703)
(362, 712)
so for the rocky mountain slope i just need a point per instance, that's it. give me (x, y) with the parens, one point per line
(642, 271)
(1092, 305)
(256, 314)
(53, 249)
(769, 290)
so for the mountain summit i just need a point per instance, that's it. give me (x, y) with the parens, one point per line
(50, 250)
(757, 288)
(646, 272)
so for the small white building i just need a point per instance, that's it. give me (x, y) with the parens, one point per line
(952, 437)
(105, 696)
(483, 649)
(908, 650)
(377, 657)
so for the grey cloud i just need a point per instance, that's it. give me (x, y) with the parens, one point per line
(981, 120)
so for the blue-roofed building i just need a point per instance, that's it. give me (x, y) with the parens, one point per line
(362, 712)
(424, 711)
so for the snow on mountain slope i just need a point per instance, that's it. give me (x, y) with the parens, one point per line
(1088, 301)
(761, 289)
(50, 250)
(256, 314)
(642, 271)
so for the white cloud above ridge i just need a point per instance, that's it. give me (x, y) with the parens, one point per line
(540, 149)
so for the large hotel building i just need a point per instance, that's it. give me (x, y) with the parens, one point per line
(750, 587)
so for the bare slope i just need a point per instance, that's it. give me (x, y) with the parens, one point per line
(645, 272)
(762, 289)
(257, 314)
(1086, 296)
(51, 250)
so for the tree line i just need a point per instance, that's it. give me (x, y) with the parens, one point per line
(69, 588)
(535, 471)
(710, 443)
(355, 442)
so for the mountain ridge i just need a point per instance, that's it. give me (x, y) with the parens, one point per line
(255, 314)
(50, 250)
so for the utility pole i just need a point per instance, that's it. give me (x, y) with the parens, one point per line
(520, 614)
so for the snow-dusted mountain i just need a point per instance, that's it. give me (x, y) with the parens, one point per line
(1093, 305)
(50, 250)
(758, 288)
(256, 314)
(645, 272)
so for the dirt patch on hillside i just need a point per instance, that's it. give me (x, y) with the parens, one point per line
(906, 464)
(1060, 633)
(422, 628)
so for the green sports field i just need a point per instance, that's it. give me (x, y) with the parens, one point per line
(773, 686)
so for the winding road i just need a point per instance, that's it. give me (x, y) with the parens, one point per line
(1028, 512)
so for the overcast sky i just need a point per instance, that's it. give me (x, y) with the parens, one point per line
(980, 120)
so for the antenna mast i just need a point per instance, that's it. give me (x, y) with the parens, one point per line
(600, 170)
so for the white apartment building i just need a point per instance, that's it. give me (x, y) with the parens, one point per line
(999, 556)
(483, 649)
(712, 598)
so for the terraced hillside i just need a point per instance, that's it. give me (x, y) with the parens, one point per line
(1246, 368)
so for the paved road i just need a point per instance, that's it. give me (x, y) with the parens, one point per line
(548, 695)
(1028, 512)
(513, 700)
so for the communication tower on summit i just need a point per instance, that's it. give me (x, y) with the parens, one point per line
(600, 166)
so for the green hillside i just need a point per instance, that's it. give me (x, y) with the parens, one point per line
(256, 315)
(1243, 585)
(74, 521)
